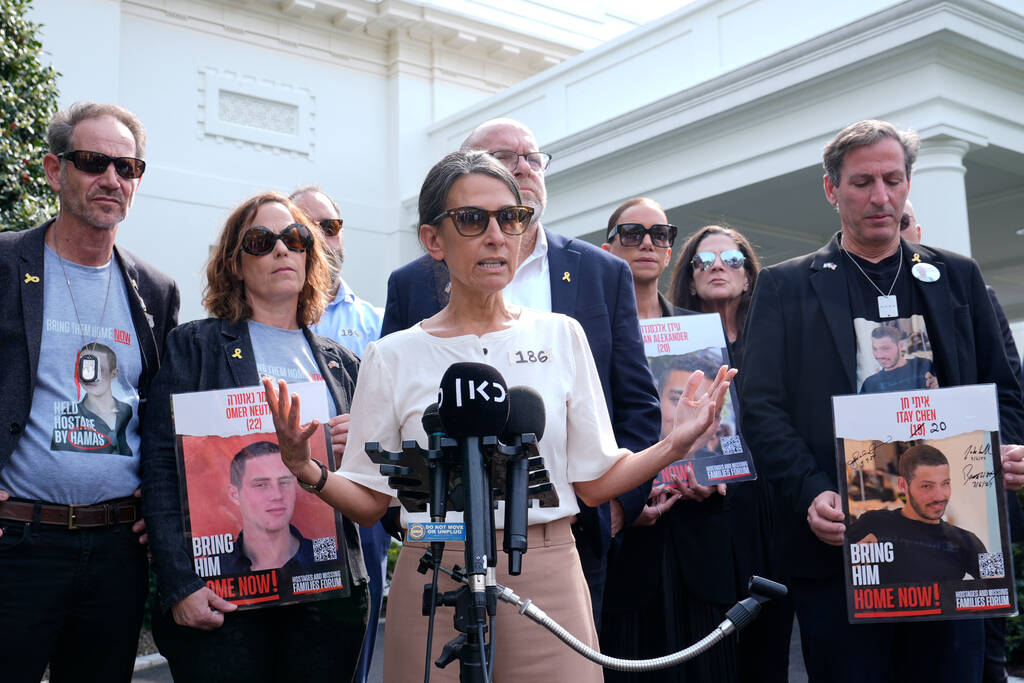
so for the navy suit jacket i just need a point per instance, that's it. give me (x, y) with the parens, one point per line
(801, 351)
(154, 310)
(595, 288)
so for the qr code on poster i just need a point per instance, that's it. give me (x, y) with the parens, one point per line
(731, 445)
(990, 565)
(325, 549)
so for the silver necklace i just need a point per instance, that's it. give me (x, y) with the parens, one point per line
(88, 364)
(887, 306)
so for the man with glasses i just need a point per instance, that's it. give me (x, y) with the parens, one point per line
(73, 570)
(353, 323)
(573, 277)
(808, 339)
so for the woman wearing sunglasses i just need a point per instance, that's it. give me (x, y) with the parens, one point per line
(266, 283)
(472, 218)
(716, 273)
(672, 578)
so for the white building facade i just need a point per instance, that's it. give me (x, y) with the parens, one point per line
(718, 109)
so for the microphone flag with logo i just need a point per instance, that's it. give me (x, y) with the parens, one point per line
(473, 400)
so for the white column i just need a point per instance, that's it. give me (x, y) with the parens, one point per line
(938, 193)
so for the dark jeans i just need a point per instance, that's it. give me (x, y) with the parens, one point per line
(836, 651)
(71, 598)
(312, 642)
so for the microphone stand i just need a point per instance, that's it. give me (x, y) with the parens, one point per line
(475, 601)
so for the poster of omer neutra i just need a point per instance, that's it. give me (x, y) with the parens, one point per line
(921, 484)
(257, 538)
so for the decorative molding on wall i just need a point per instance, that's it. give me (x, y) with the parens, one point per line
(381, 38)
(258, 113)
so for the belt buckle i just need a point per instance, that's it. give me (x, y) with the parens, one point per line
(73, 517)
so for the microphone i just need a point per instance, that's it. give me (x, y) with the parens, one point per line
(438, 465)
(473, 403)
(526, 416)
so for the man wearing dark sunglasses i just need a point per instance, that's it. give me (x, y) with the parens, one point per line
(567, 276)
(73, 570)
(808, 339)
(352, 322)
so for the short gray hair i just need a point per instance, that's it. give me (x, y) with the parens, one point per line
(58, 134)
(867, 132)
(441, 178)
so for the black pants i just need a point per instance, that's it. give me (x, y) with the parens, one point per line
(836, 651)
(71, 598)
(312, 642)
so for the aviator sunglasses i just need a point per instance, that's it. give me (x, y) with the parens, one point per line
(258, 240)
(128, 168)
(632, 234)
(471, 221)
(331, 226)
(703, 260)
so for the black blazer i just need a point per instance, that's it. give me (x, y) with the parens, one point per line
(203, 355)
(800, 351)
(154, 310)
(595, 288)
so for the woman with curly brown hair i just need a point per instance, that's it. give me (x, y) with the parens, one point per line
(266, 283)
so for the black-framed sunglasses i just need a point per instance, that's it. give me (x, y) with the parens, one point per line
(258, 240)
(632, 234)
(538, 161)
(331, 226)
(703, 260)
(128, 168)
(470, 221)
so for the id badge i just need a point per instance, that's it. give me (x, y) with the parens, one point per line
(887, 307)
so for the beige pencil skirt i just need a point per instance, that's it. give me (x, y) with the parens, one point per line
(524, 651)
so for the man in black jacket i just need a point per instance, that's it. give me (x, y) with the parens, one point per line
(73, 573)
(808, 339)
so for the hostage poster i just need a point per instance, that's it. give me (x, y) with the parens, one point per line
(676, 347)
(922, 488)
(257, 537)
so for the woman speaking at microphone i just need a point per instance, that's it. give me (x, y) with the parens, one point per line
(472, 219)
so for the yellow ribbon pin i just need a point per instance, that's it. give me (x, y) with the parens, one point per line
(31, 278)
(237, 353)
(917, 258)
(565, 276)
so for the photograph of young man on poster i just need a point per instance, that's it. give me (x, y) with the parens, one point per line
(264, 491)
(898, 370)
(924, 546)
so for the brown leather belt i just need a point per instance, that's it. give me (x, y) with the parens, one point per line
(121, 511)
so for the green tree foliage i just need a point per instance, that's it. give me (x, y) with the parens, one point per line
(28, 100)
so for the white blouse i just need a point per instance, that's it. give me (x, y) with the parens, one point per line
(400, 374)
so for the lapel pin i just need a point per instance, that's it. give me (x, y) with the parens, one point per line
(31, 278)
(829, 265)
(332, 365)
(237, 353)
(448, 288)
(926, 272)
(917, 258)
(565, 276)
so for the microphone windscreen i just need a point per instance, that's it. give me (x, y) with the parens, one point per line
(432, 420)
(526, 413)
(473, 400)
